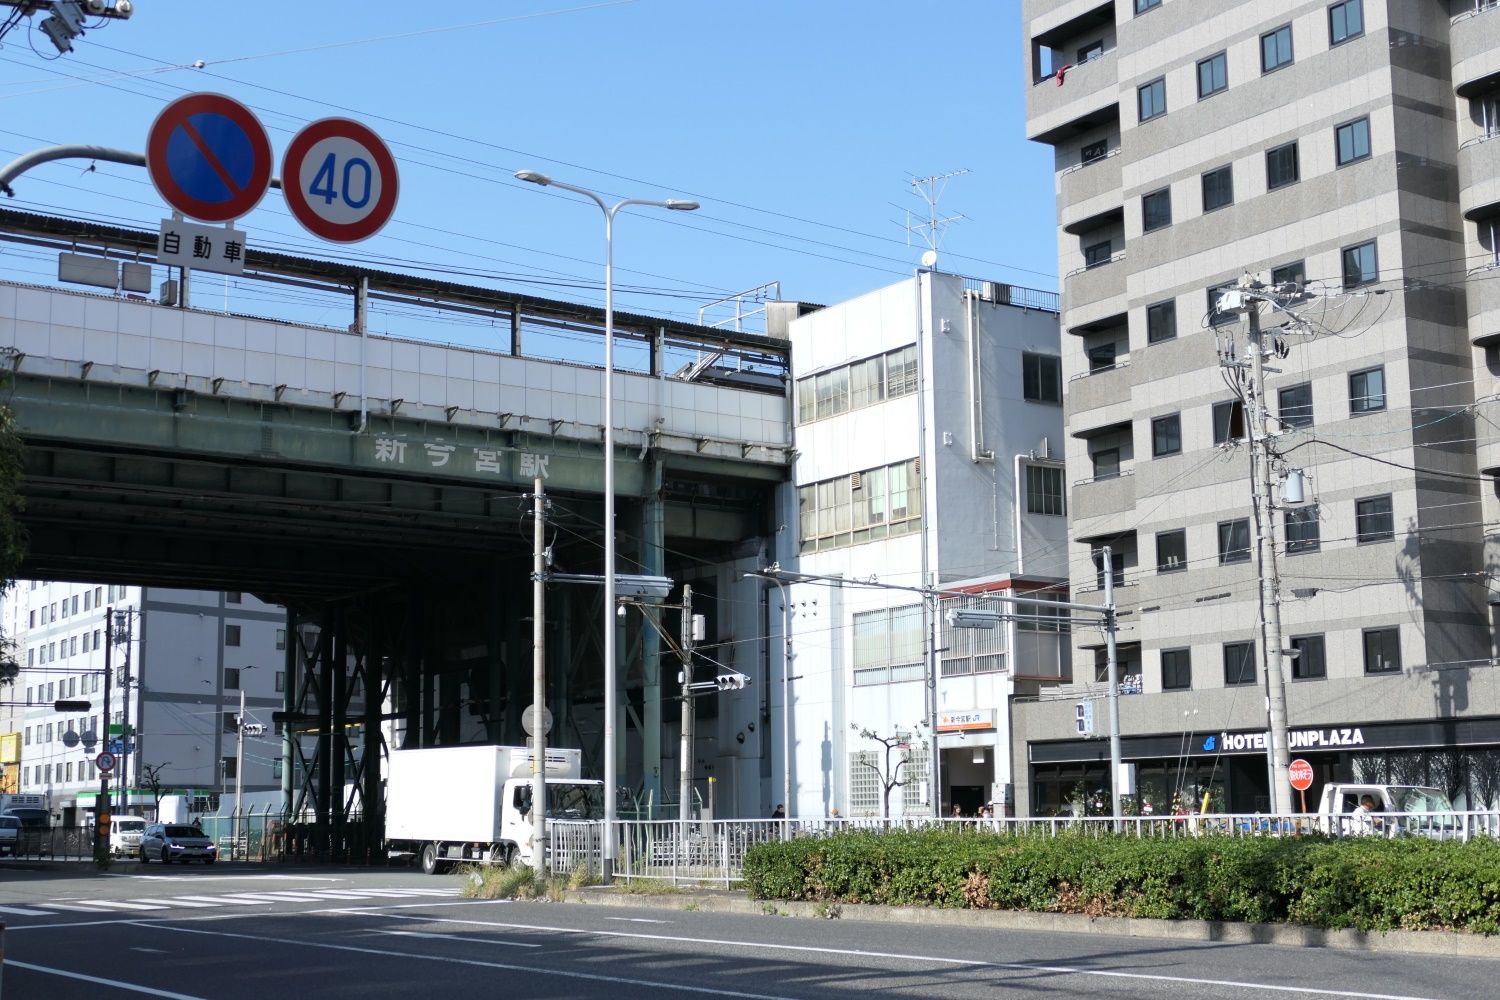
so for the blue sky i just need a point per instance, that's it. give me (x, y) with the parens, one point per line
(796, 124)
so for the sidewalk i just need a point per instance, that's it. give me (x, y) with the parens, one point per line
(1443, 943)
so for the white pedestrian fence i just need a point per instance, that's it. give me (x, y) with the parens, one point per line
(712, 852)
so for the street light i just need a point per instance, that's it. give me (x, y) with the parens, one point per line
(675, 205)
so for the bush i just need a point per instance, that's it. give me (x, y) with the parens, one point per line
(493, 882)
(1370, 884)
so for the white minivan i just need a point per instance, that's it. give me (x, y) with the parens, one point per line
(125, 835)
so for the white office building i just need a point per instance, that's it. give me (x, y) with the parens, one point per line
(181, 661)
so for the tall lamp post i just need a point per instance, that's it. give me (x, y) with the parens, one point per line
(676, 205)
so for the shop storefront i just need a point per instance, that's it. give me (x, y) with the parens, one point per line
(968, 741)
(1166, 772)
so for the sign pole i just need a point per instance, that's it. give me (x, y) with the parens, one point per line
(101, 804)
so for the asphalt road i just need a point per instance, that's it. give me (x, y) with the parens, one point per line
(231, 932)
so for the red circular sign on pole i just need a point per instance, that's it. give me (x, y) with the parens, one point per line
(1301, 774)
(339, 180)
(105, 761)
(209, 157)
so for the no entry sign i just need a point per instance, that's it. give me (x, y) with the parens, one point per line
(339, 180)
(209, 157)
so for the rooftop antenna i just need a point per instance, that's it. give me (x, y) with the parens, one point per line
(930, 189)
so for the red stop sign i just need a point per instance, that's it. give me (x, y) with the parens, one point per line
(1301, 774)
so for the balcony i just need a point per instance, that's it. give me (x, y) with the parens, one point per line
(1091, 294)
(1474, 42)
(1103, 496)
(1487, 450)
(1479, 176)
(1093, 390)
(1086, 97)
(1484, 305)
(1089, 189)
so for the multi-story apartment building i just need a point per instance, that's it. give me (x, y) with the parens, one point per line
(928, 435)
(1341, 148)
(180, 661)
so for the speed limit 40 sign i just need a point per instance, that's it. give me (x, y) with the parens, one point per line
(339, 180)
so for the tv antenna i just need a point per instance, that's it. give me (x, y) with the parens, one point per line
(930, 227)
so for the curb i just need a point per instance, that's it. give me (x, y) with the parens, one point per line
(1444, 943)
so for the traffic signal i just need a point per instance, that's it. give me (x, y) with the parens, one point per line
(731, 681)
(70, 706)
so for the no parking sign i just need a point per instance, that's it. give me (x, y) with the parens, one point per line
(209, 157)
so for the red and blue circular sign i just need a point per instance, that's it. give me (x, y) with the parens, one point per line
(209, 157)
(339, 180)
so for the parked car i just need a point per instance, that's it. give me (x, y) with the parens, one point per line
(169, 842)
(10, 836)
(125, 835)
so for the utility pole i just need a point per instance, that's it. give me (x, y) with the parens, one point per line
(539, 677)
(101, 804)
(239, 771)
(1113, 663)
(125, 741)
(685, 752)
(1265, 535)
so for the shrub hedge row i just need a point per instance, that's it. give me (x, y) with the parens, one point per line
(1370, 884)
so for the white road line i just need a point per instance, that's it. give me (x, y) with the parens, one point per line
(181, 901)
(77, 907)
(121, 904)
(935, 959)
(345, 894)
(148, 990)
(22, 911)
(637, 920)
(245, 915)
(227, 878)
(292, 897)
(459, 937)
(503, 966)
(231, 900)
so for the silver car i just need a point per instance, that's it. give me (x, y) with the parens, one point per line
(10, 836)
(169, 842)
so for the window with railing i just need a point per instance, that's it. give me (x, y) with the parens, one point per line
(888, 645)
(860, 507)
(972, 650)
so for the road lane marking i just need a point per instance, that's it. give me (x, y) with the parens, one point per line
(457, 937)
(224, 878)
(247, 915)
(181, 901)
(475, 963)
(117, 984)
(22, 911)
(637, 920)
(70, 906)
(936, 959)
(231, 900)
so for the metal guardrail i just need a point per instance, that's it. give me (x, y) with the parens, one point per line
(712, 852)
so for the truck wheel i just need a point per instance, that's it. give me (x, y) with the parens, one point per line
(511, 856)
(429, 859)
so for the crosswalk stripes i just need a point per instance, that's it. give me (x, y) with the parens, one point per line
(226, 899)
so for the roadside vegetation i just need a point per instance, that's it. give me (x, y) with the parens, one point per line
(519, 882)
(1369, 884)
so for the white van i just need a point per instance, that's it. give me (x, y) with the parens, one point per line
(125, 835)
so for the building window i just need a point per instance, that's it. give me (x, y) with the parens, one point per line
(1094, 151)
(231, 635)
(281, 638)
(1353, 141)
(1301, 524)
(1044, 490)
(1373, 519)
(1116, 566)
(1041, 378)
(1171, 550)
(1166, 435)
(1106, 463)
(281, 680)
(1276, 48)
(231, 678)
(231, 722)
(864, 506)
(1216, 316)
(1239, 663)
(1382, 650)
(888, 645)
(1141, 6)
(1102, 357)
(1310, 660)
(1346, 20)
(1093, 50)
(1281, 166)
(1234, 541)
(230, 767)
(1152, 99)
(1218, 188)
(1294, 405)
(1229, 421)
(1213, 75)
(1161, 321)
(1097, 253)
(276, 768)
(1294, 274)
(1367, 390)
(232, 597)
(1156, 210)
(1360, 267)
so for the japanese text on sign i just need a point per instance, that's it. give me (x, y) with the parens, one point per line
(219, 249)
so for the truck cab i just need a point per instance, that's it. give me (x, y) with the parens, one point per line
(1396, 810)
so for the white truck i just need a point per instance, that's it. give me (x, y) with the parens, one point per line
(35, 815)
(1396, 810)
(446, 805)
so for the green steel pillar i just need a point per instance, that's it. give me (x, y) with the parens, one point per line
(652, 558)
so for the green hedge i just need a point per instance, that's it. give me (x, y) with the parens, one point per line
(1371, 884)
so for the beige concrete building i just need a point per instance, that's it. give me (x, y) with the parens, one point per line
(1341, 149)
